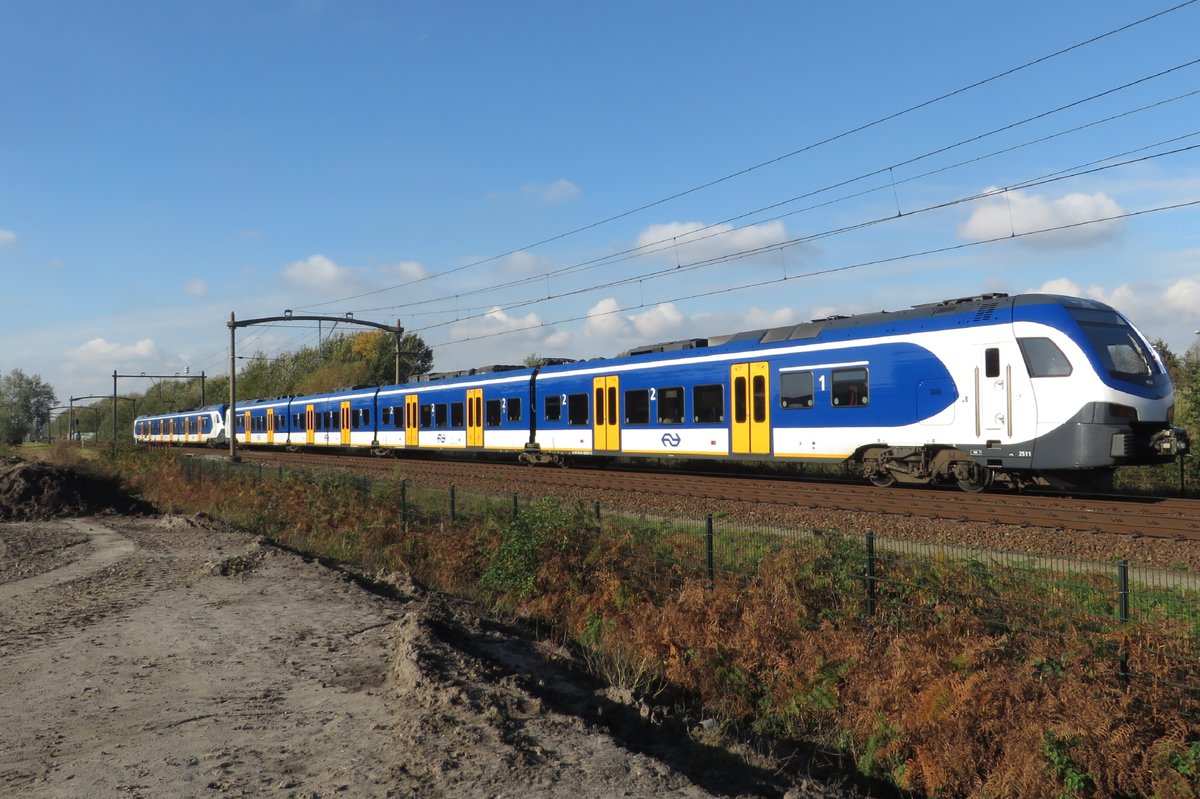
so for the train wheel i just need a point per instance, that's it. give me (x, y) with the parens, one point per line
(978, 480)
(883, 479)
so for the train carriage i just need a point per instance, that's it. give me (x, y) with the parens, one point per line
(201, 426)
(1026, 389)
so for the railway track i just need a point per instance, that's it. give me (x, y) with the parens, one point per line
(1155, 518)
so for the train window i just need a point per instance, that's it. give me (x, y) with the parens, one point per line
(440, 417)
(739, 400)
(849, 388)
(366, 417)
(553, 408)
(491, 413)
(670, 406)
(356, 418)
(456, 414)
(577, 409)
(796, 390)
(637, 406)
(708, 404)
(427, 416)
(991, 362)
(385, 415)
(1043, 358)
(514, 409)
(759, 384)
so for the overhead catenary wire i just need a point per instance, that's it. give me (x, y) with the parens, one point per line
(774, 160)
(1079, 171)
(831, 270)
(693, 236)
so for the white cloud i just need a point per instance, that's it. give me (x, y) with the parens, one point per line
(689, 242)
(605, 322)
(524, 263)
(405, 270)
(195, 288)
(560, 191)
(7, 237)
(101, 350)
(318, 272)
(525, 331)
(1017, 212)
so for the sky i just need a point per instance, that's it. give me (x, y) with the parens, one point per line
(574, 179)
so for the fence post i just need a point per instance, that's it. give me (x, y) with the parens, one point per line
(596, 508)
(708, 547)
(1123, 614)
(870, 573)
(516, 508)
(453, 506)
(404, 502)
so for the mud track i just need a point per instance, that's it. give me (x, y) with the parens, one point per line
(166, 656)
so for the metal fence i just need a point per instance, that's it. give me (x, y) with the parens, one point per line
(889, 583)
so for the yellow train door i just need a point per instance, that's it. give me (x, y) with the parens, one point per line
(412, 418)
(270, 425)
(246, 424)
(606, 430)
(474, 417)
(344, 419)
(310, 424)
(750, 389)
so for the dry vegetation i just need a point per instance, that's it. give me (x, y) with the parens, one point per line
(939, 698)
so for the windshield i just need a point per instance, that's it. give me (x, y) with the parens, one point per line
(1122, 350)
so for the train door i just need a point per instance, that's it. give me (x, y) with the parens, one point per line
(310, 424)
(412, 418)
(270, 425)
(247, 425)
(993, 394)
(474, 417)
(606, 430)
(344, 421)
(750, 388)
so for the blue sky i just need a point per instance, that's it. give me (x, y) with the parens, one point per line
(163, 164)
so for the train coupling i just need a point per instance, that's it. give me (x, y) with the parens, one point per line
(1170, 442)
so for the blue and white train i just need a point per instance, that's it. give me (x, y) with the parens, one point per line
(1028, 389)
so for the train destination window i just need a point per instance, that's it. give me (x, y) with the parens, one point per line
(577, 409)
(708, 403)
(553, 408)
(514, 409)
(637, 406)
(991, 362)
(796, 390)
(440, 419)
(1043, 358)
(849, 388)
(456, 414)
(426, 416)
(670, 405)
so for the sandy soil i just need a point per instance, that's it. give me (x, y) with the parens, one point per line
(165, 656)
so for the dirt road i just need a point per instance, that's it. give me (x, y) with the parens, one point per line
(165, 656)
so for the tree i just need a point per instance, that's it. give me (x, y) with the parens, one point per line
(24, 402)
